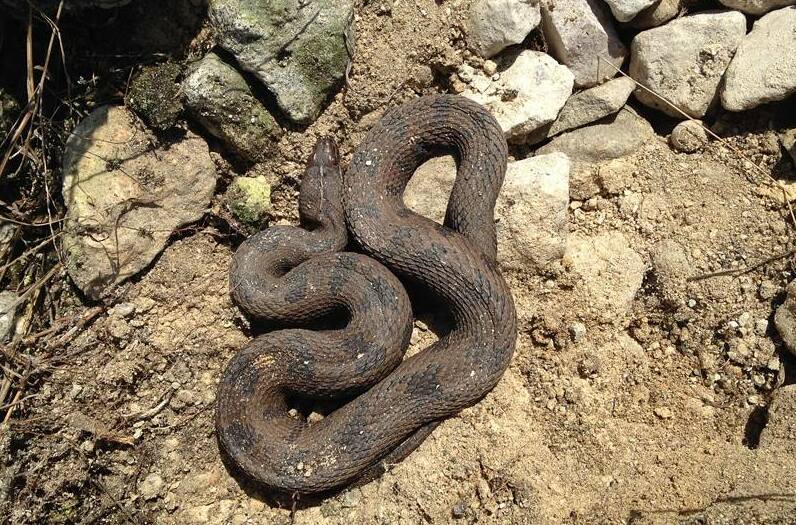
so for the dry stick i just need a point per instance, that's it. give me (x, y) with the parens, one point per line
(720, 139)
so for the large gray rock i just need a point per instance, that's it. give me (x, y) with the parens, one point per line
(764, 68)
(611, 138)
(625, 10)
(684, 60)
(297, 49)
(592, 104)
(125, 199)
(493, 25)
(8, 314)
(220, 99)
(528, 94)
(531, 208)
(756, 7)
(581, 35)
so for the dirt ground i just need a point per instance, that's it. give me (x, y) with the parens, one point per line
(650, 416)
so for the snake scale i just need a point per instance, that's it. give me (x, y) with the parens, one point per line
(295, 276)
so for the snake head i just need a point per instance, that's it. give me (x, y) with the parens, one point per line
(325, 154)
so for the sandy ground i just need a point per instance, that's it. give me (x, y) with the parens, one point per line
(652, 415)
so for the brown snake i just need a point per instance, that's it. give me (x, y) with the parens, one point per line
(297, 275)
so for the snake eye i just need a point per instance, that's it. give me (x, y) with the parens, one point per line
(325, 153)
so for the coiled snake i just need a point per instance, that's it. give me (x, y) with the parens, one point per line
(297, 275)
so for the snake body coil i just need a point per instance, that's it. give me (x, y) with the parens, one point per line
(295, 276)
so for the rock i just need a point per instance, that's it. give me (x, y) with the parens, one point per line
(528, 94)
(588, 366)
(684, 60)
(763, 69)
(659, 13)
(626, 10)
(580, 35)
(151, 487)
(124, 199)
(7, 232)
(670, 268)
(297, 49)
(663, 412)
(249, 199)
(532, 212)
(610, 270)
(611, 138)
(781, 426)
(593, 104)
(689, 136)
(8, 314)
(155, 95)
(788, 139)
(493, 25)
(220, 99)
(535, 192)
(577, 331)
(785, 318)
(9, 109)
(756, 7)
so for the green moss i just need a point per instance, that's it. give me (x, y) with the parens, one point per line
(249, 198)
(155, 95)
(322, 58)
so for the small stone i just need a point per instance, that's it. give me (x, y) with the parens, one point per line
(577, 331)
(689, 136)
(663, 412)
(763, 69)
(125, 310)
(581, 35)
(788, 139)
(528, 95)
(490, 68)
(684, 60)
(588, 366)
(249, 199)
(459, 510)
(87, 446)
(494, 25)
(761, 327)
(151, 487)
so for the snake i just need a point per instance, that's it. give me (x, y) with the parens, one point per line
(332, 291)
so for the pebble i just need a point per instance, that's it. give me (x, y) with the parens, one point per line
(589, 366)
(626, 10)
(689, 136)
(577, 331)
(8, 314)
(663, 412)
